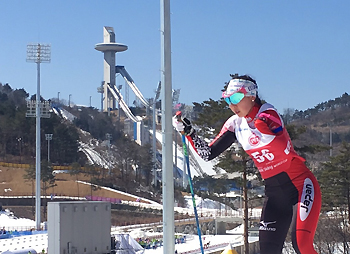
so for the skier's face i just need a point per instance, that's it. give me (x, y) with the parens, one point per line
(243, 107)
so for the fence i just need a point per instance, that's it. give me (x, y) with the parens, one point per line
(37, 242)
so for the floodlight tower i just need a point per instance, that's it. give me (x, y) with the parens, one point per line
(38, 53)
(109, 47)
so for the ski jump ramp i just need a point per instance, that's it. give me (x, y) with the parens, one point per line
(117, 95)
(122, 71)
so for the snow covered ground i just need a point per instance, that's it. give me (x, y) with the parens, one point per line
(205, 207)
(10, 222)
(192, 245)
(211, 242)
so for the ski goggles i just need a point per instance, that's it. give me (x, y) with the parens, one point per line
(234, 98)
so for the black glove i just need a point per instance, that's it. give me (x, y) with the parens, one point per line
(187, 127)
(182, 125)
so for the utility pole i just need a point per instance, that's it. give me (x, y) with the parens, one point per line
(245, 214)
(167, 128)
(69, 100)
(100, 90)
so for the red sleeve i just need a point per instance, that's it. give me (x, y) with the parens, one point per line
(269, 122)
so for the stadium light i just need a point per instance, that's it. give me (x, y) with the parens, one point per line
(48, 138)
(38, 53)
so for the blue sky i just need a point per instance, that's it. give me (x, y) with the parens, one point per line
(298, 51)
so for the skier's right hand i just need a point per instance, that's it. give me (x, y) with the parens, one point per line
(182, 125)
(177, 123)
(187, 127)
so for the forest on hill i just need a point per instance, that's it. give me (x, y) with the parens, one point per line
(89, 125)
(327, 123)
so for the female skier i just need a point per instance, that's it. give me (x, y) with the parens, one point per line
(292, 193)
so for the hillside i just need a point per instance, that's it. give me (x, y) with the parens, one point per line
(320, 127)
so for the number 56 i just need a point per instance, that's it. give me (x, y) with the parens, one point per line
(264, 154)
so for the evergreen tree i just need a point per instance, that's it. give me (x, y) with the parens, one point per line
(18, 132)
(144, 158)
(211, 115)
(76, 171)
(335, 185)
(65, 144)
(47, 178)
(125, 158)
(335, 182)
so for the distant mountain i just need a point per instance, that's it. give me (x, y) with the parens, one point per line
(339, 102)
(327, 123)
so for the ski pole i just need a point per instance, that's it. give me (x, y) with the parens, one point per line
(191, 188)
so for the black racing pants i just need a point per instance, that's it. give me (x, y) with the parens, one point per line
(295, 203)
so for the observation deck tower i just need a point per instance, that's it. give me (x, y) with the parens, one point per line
(109, 48)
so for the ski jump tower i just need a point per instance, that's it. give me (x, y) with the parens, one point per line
(109, 48)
